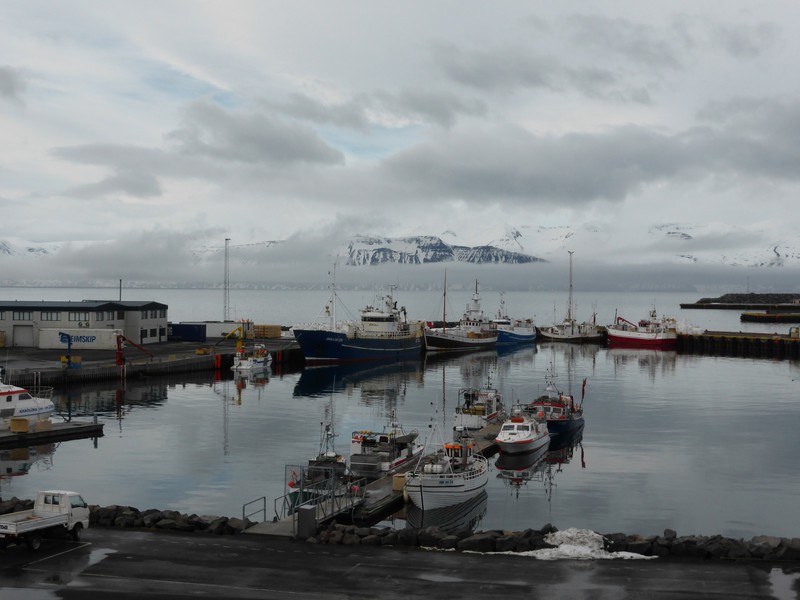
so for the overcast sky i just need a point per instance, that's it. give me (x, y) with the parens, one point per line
(155, 126)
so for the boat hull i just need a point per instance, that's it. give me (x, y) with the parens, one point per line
(523, 446)
(637, 339)
(330, 347)
(517, 336)
(431, 491)
(457, 341)
(574, 337)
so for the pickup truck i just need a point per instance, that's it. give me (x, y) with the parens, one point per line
(54, 511)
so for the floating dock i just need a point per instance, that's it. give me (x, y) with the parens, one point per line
(56, 432)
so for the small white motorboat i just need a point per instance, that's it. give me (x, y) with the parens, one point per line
(522, 433)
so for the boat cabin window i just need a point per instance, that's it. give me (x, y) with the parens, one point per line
(508, 427)
(23, 396)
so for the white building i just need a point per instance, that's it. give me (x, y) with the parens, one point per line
(23, 321)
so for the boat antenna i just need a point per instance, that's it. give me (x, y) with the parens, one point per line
(444, 303)
(569, 307)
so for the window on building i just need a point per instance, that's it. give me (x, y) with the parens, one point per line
(78, 316)
(2, 315)
(153, 332)
(163, 313)
(144, 314)
(100, 315)
(153, 314)
(22, 315)
(120, 314)
(50, 315)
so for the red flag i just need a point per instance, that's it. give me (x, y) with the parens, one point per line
(583, 389)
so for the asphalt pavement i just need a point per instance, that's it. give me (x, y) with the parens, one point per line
(127, 564)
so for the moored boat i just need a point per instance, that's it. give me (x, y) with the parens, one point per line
(15, 402)
(522, 433)
(654, 332)
(562, 414)
(452, 475)
(473, 332)
(478, 407)
(383, 332)
(570, 330)
(257, 360)
(513, 331)
(374, 454)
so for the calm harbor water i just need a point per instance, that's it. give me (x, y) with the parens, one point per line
(698, 444)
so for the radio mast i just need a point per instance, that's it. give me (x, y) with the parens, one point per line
(226, 303)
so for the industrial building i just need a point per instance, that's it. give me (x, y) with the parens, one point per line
(38, 324)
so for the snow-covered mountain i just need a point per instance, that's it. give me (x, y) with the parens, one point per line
(630, 252)
(371, 250)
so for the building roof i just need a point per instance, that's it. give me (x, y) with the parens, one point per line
(82, 305)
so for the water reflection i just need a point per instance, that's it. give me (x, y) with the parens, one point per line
(15, 462)
(516, 470)
(651, 362)
(467, 515)
(370, 379)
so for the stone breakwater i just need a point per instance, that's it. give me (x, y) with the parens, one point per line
(670, 544)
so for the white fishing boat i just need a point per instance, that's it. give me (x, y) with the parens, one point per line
(569, 330)
(374, 454)
(478, 407)
(257, 360)
(451, 475)
(34, 403)
(522, 434)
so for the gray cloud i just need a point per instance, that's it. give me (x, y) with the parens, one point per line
(210, 131)
(12, 84)
(636, 42)
(746, 41)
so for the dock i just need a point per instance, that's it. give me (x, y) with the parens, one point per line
(744, 344)
(34, 366)
(56, 432)
(380, 499)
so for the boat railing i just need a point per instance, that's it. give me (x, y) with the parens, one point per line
(329, 498)
(43, 391)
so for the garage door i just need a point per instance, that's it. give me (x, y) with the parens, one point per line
(23, 336)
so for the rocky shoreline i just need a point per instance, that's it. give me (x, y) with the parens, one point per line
(667, 545)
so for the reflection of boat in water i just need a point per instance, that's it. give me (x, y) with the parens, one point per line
(464, 516)
(15, 462)
(317, 381)
(516, 470)
(648, 360)
(478, 407)
(452, 475)
(374, 454)
(567, 439)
